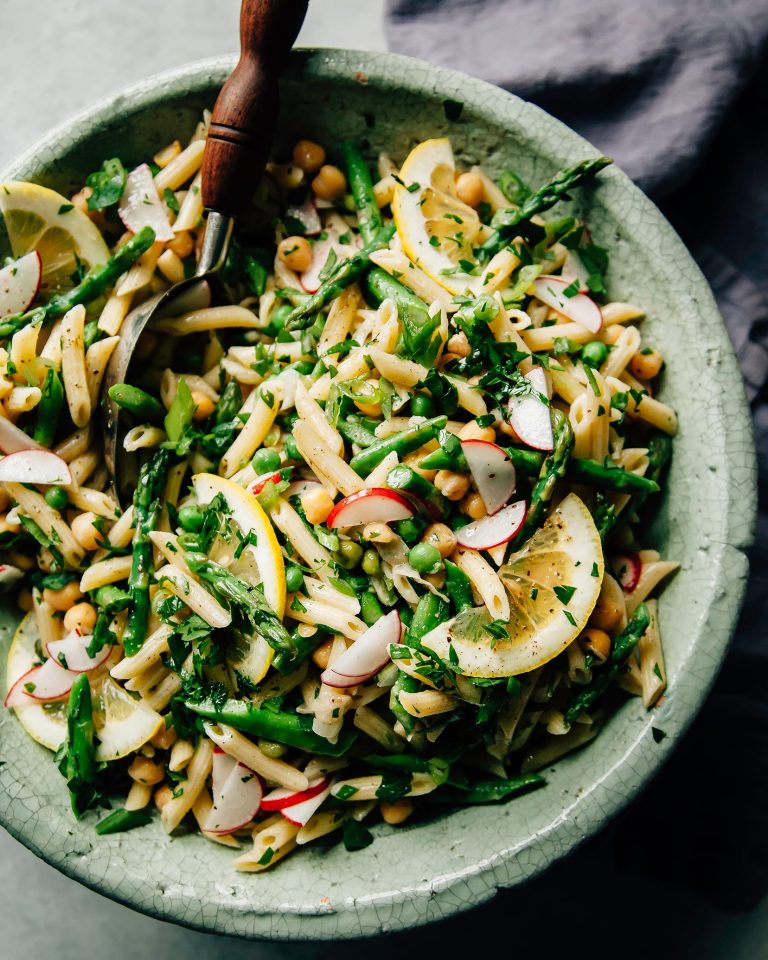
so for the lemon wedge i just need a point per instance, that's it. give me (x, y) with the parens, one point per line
(37, 218)
(261, 562)
(553, 585)
(127, 723)
(437, 231)
(45, 723)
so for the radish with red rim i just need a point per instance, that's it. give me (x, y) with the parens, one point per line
(13, 439)
(20, 283)
(42, 684)
(308, 217)
(300, 813)
(237, 793)
(141, 206)
(529, 415)
(492, 471)
(71, 652)
(34, 466)
(579, 308)
(627, 569)
(297, 488)
(282, 797)
(321, 250)
(490, 532)
(372, 505)
(367, 655)
(257, 485)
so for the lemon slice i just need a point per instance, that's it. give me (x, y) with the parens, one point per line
(436, 229)
(45, 723)
(553, 585)
(37, 218)
(261, 562)
(127, 723)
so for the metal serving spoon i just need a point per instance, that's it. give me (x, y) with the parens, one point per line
(239, 140)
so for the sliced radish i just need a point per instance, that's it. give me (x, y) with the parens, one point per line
(489, 532)
(140, 204)
(34, 466)
(530, 416)
(281, 798)
(493, 472)
(367, 655)
(321, 249)
(237, 801)
(19, 284)
(372, 505)
(47, 683)
(71, 652)
(307, 216)
(257, 485)
(13, 440)
(627, 570)
(223, 765)
(299, 813)
(579, 308)
(9, 575)
(574, 269)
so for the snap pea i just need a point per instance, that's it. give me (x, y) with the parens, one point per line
(401, 443)
(621, 647)
(136, 401)
(361, 187)
(407, 684)
(370, 608)
(430, 612)
(112, 599)
(49, 409)
(119, 821)
(458, 587)
(292, 729)
(403, 477)
(417, 341)
(448, 456)
(356, 433)
(490, 791)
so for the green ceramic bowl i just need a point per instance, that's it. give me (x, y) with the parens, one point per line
(413, 875)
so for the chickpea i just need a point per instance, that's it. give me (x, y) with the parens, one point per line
(459, 345)
(322, 654)
(204, 406)
(646, 364)
(308, 156)
(287, 175)
(46, 561)
(182, 244)
(472, 431)
(473, 506)
(377, 533)
(25, 600)
(397, 812)
(296, 253)
(452, 485)
(610, 608)
(306, 630)
(85, 532)
(330, 183)
(81, 617)
(597, 642)
(145, 771)
(441, 536)
(164, 738)
(61, 600)
(317, 504)
(163, 795)
(470, 189)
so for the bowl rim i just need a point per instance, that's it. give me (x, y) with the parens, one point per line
(424, 903)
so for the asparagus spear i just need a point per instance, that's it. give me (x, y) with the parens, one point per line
(49, 409)
(403, 442)
(78, 762)
(96, 282)
(344, 273)
(145, 508)
(360, 184)
(552, 469)
(505, 221)
(622, 647)
(121, 820)
(659, 452)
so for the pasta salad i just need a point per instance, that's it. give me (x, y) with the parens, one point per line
(383, 554)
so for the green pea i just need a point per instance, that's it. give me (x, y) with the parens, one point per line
(266, 460)
(272, 749)
(349, 554)
(294, 578)
(371, 564)
(424, 558)
(191, 519)
(291, 450)
(370, 608)
(422, 405)
(594, 353)
(409, 530)
(56, 497)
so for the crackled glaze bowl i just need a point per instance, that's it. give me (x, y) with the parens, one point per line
(413, 875)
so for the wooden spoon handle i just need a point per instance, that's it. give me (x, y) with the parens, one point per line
(245, 116)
